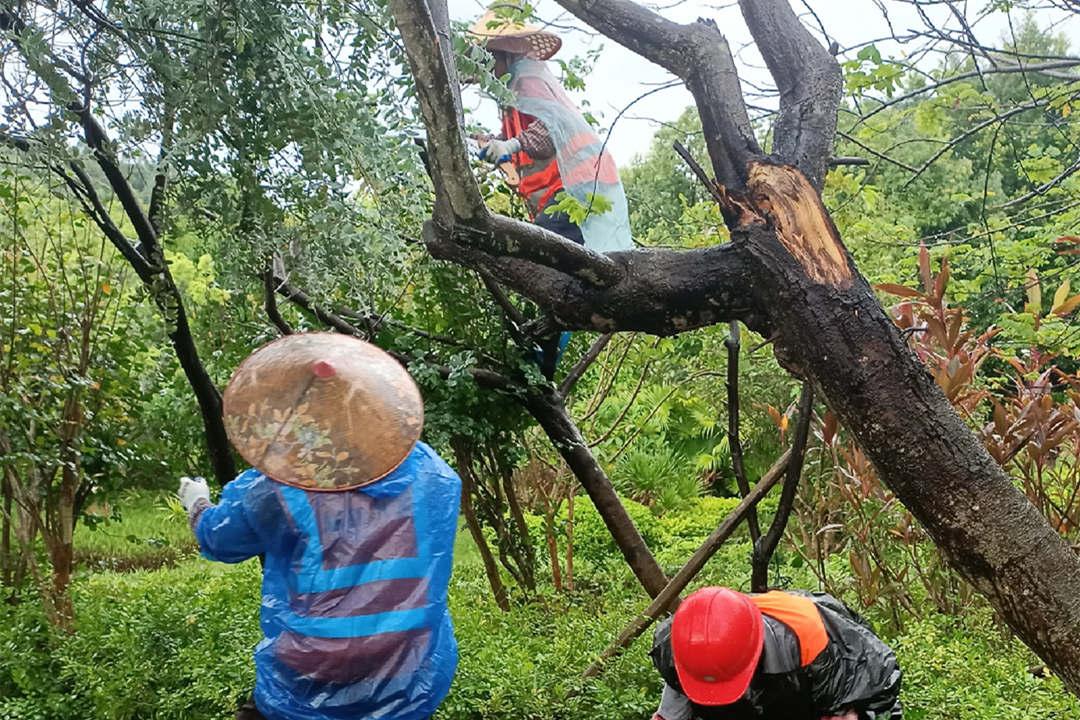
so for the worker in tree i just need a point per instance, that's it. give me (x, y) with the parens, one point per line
(775, 656)
(355, 521)
(551, 150)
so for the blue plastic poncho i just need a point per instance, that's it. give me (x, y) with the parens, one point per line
(354, 613)
(584, 167)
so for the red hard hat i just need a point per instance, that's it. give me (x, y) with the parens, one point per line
(716, 637)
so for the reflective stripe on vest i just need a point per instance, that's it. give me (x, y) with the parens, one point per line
(801, 616)
(537, 185)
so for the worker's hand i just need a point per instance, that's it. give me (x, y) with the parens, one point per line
(849, 715)
(497, 152)
(191, 489)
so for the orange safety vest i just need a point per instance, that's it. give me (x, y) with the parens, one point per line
(801, 616)
(538, 184)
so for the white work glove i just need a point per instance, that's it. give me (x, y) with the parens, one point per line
(497, 152)
(191, 489)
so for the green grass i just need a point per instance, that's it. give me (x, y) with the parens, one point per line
(139, 530)
(170, 636)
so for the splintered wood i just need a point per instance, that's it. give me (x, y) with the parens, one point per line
(801, 221)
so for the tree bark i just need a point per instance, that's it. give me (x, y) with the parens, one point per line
(830, 327)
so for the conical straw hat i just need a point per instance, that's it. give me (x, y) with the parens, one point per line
(510, 35)
(323, 411)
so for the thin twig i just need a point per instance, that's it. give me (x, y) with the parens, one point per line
(584, 363)
(734, 442)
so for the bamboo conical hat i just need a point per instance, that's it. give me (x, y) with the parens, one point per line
(510, 35)
(323, 411)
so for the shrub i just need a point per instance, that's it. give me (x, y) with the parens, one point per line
(967, 669)
(658, 477)
(593, 542)
(172, 643)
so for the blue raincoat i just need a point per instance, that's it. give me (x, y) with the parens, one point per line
(354, 616)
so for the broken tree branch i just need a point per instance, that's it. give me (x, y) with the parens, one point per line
(668, 597)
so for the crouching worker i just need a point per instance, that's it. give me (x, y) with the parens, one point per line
(775, 656)
(355, 520)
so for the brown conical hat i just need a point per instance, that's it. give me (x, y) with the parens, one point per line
(514, 36)
(323, 411)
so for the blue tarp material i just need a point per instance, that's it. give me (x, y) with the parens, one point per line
(354, 613)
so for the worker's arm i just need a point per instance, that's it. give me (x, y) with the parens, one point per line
(224, 531)
(536, 141)
(673, 706)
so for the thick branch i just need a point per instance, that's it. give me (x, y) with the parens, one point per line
(507, 237)
(548, 409)
(429, 52)
(97, 139)
(698, 54)
(662, 292)
(809, 81)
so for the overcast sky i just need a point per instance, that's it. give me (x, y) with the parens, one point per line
(620, 76)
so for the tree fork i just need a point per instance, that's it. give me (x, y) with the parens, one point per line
(786, 273)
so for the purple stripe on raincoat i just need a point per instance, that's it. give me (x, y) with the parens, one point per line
(354, 616)
(368, 599)
(354, 525)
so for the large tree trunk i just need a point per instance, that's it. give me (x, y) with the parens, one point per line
(830, 327)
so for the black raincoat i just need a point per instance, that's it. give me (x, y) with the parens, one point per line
(855, 671)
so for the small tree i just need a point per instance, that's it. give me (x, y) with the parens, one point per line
(67, 381)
